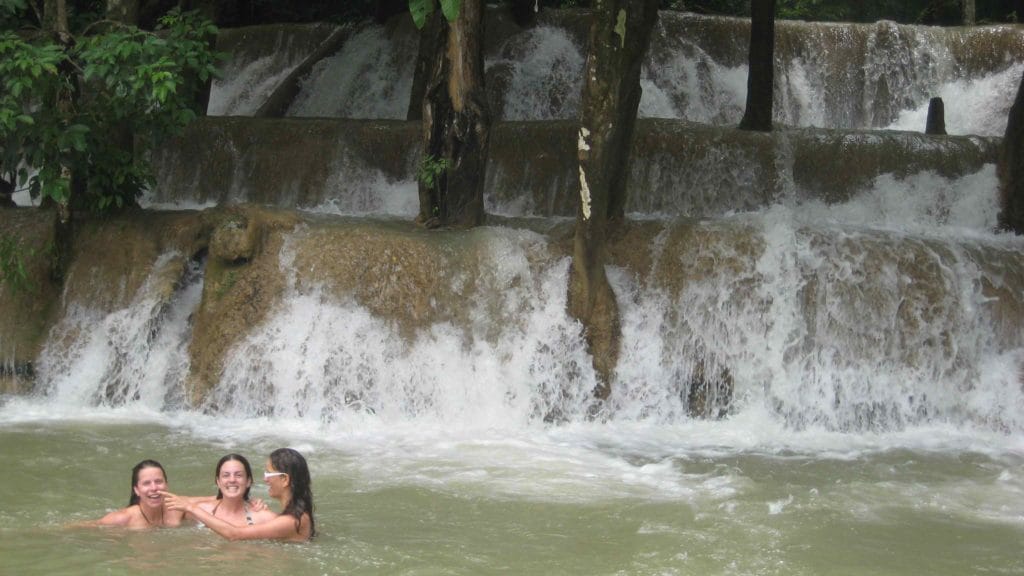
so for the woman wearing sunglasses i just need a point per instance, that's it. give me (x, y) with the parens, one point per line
(288, 480)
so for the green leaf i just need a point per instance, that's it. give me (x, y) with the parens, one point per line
(421, 11)
(450, 8)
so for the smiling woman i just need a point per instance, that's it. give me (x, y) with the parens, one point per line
(146, 504)
(287, 477)
(233, 476)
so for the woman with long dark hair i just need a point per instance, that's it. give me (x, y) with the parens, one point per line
(146, 503)
(233, 477)
(287, 477)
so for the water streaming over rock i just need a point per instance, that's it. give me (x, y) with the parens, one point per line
(842, 280)
(827, 75)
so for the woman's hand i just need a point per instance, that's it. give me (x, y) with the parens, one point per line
(258, 505)
(176, 503)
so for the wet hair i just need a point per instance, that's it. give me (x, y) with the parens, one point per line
(292, 463)
(134, 498)
(248, 473)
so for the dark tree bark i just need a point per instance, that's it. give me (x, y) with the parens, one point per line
(55, 19)
(1011, 168)
(761, 79)
(456, 125)
(619, 36)
(7, 191)
(936, 123)
(433, 37)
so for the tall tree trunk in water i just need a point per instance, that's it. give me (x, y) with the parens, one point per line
(456, 126)
(761, 78)
(969, 12)
(1011, 168)
(432, 42)
(619, 36)
(55, 20)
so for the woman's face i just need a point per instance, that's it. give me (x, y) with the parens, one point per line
(232, 480)
(277, 482)
(151, 483)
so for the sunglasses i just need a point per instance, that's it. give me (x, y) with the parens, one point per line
(269, 475)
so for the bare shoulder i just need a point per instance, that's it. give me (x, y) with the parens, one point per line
(122, 517)
(265, 515)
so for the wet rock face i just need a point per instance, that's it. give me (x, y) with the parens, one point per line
(710, 391)
(234, 240)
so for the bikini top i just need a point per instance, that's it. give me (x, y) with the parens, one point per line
(245, 507)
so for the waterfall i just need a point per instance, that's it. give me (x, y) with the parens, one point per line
(828, 75)
(818, 279)
(371, 77)
(135, 354)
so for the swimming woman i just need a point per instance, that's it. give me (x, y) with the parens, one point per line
(146, 504)
(233, 476)
(288, 480)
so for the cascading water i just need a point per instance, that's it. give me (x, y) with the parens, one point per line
(856, 346)
(132, 356)
(828, 75)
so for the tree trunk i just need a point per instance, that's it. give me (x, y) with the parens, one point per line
(432, 42)
(7, 191)
(761, 78)
(1011, 168)
(969, 12)
(936, 122)
(456, 126)
(55, 18)
(619, 36)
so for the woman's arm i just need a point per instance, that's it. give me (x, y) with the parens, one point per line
(120, 517)
(278, 528)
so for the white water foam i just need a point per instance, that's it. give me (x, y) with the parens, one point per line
(371, 77)
(353, 190)
(136, 355)
(543, 70)
(972, 106)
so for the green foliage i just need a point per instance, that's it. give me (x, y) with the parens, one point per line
(81, 107)
(422, 9)
(12, 266)
(431, 169)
